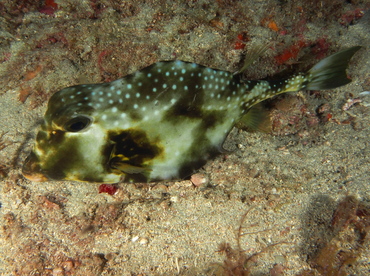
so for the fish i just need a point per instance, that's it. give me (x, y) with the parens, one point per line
(163, 122)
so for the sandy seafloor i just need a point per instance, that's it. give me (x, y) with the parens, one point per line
(291, 181)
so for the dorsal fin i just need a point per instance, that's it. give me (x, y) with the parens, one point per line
(251, 56)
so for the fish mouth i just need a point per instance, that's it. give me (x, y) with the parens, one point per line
(32, 170)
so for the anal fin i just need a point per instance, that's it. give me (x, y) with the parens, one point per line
(256, 119)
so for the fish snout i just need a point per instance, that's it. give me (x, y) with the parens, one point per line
(32, 169)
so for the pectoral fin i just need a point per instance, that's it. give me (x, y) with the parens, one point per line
(127, 168)
(122, 163)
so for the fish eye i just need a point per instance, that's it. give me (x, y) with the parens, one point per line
(78, 123)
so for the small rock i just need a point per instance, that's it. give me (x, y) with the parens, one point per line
(199, 180)
(143, 241)
(58, 271)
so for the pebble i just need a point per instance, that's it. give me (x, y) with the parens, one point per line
(199, 180)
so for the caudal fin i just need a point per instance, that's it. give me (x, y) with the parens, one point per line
(331, 72)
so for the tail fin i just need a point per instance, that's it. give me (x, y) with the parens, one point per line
(331, 72)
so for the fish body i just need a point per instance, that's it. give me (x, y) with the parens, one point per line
(162, 122)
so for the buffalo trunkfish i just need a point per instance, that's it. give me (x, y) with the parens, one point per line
(162, 122)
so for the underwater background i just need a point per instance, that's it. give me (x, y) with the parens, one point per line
(291, 200)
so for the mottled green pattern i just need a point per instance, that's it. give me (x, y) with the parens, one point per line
(162, 122)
